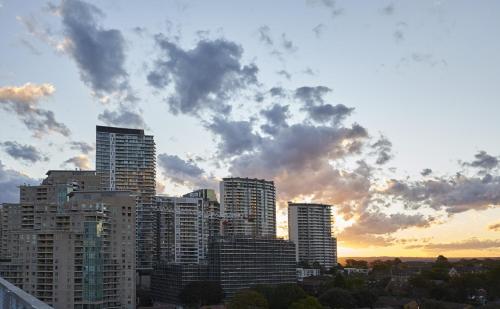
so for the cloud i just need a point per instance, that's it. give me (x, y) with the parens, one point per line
(122, 117)
(374, 228)
(23, 101)
(30, 47)
(454, 195)
(468, 244)
(9, 182)
(494, 227)
(427, 58)
(81, 146)
(277, 92)
(285, 74)
(265, 35)
(383, 149)
(276, 117)
(398, 35)
(312, 95)
(318, 110)
(204, 78)
(388, 10)
(23, 152)
(236, 137)
(319, 30)
(287, 44)
(426, 172)
(331, 5)
(483, 161)
(299, 154)
(184, 172)
(81, 162)
(98, 52)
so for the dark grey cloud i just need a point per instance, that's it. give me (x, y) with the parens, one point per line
(122, 117)
(312, 95)
(277, 92)
(426, 172)
(383, 148)
(23, 152)
(9, 182)
(23, 101)
(319, 30)
(204, 77)
(300, 154)
(82, 147)
(327, 112)
(454, 195)
(483, 161)
(317, 109)
(288, 44)
(236, 137)
(276, 117)
(185, 172)
(81, 162)
(265, 35)
(285, 74)
(98, 52)
(173, 165)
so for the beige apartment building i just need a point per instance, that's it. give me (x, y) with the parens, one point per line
(68, 244)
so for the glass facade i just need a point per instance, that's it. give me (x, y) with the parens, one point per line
(93, 262)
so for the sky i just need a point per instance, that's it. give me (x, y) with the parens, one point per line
(387, 110)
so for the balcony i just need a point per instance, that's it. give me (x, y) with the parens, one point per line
(13, 297)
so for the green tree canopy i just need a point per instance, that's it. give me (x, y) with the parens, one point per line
(307, 303)
(248, 299)
(337, 298)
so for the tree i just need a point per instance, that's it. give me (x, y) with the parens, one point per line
(365, 298)
(201, 293)
(351, 263)
(248, 299)
(337, 298)
(442, 262)
(307, 303)
(285, 294)
(339, 281)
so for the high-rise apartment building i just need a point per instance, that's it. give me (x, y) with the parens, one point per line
(248, 207)
(185, 225)
(310, 228)
(126, 160)
(69, 245)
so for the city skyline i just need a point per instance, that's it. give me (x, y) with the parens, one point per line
(373, 117)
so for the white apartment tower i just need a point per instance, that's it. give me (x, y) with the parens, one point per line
(310, 228)
(126, 160)
(185, 225)
(248, 207)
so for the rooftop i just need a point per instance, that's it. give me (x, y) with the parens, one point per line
(119, 130)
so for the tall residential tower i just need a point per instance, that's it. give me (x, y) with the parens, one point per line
(126, 160)
(248, 207)
(310, 228)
